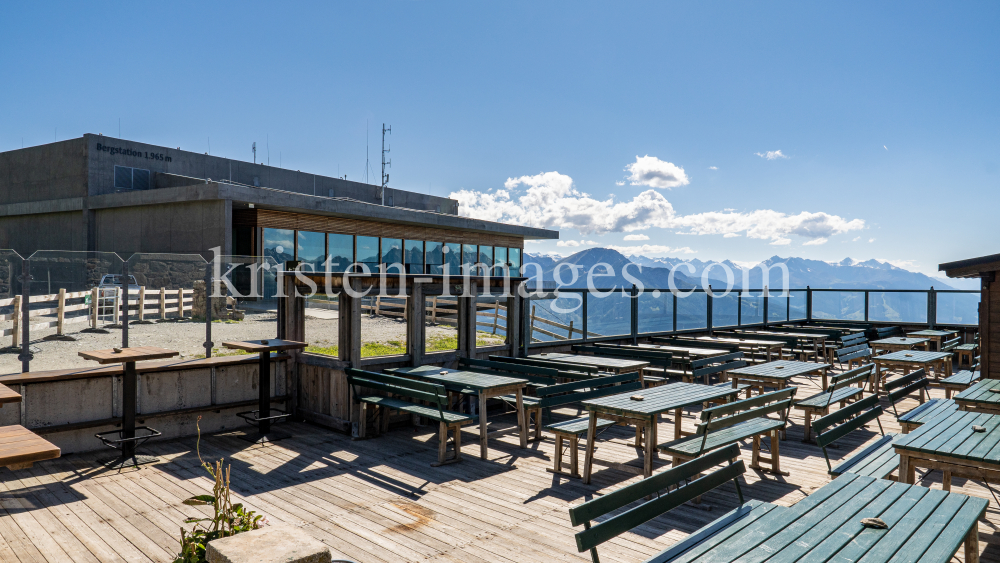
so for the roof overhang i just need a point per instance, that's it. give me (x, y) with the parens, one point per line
(984, 266)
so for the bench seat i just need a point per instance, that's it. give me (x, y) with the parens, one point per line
(571, 430)
(20, 447)
(922, 413)
(958, 382)
(577, 426)
(878, 460)
(967, 347)
(691, 446)
(822, 400)
(420, 410)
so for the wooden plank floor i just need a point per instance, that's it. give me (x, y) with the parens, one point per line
(378, 500)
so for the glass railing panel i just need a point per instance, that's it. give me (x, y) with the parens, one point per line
(656, 311)
(897, 307)
(958, 308)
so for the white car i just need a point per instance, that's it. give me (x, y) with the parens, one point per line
(108, 289)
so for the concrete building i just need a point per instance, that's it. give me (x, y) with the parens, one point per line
(97, 193)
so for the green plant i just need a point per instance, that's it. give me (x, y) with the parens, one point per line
(229, 518)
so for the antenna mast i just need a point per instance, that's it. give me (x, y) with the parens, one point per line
(385, 177)
(255, 152)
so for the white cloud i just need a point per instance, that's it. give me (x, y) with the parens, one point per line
(620, 183)
(532, 241)
(655, 173)
(856, 239)
(636, 237)
(650, 249)
(871, 240)
(904, 264)
(713, 167)
(771, 155)
(568, 243)
(814, 242)
(551, 201)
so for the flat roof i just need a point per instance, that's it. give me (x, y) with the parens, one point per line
(971, 267)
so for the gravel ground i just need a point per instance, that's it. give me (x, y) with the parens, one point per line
(188, 337)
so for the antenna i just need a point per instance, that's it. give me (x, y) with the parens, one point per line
(255, 152)
(385, 177)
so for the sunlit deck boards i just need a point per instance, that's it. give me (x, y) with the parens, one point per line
(378, 499)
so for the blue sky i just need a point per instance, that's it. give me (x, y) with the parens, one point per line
(884, 113)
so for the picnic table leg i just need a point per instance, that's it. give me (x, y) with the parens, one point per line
(482, 426)
(557, 465)
(972, 544)
(588, 459)
(574, 460)
(946, 480)
(522, 419)
(906, 474)
(823, 372)
(647, 460)
(678, 418)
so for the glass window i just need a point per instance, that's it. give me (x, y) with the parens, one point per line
(453, 258)
(392, 252)
(367, 252)
(499, 260)
(341, 251)
(486, 257)
(434, 257)
(279, 244)
(470, 255)
(310, 249)
(514, 257)
(414, 256)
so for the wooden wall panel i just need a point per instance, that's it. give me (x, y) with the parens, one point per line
(989, 335)
(320, 223)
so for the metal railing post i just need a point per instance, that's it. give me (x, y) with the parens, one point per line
(766, 295)
(739, 308)
(709, 301)
(634, 313)
(25, 356)
(125, 303)
(809, 304)
(208, 310)
(674, 310)
(932, 307)
(866, 304)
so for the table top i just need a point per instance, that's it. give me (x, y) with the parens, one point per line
(456, 379)
(783, 369)
(805, 335)
(131, 354)
(8, 395)
(690, 350)
(980, 393)
(900, 341)
(617, 364)
(924, 523)
(931, 333)
(747, 341)
(658, 399)
(270, 345)
(912, 356)
(951, 435)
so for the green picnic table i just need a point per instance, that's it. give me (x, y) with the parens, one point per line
(482, 385)
(817, 340)
(982, 396)
(898, 343)
(777, 373)
(766, 346)
(914, 360)
(926, 525)
(691, 351)
(645, 414)
(612, 365)
(950, 443)
(936, 336)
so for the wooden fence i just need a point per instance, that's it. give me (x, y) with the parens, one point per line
(99, 303)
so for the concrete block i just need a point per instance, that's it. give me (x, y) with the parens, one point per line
(273, 544)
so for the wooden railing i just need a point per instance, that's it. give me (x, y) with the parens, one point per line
(98, 303)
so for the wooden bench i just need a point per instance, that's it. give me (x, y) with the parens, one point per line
(570, 431)
(657, 359)
(20, 448)
(575, 391)
(690, 370)
(407, 392)
(672, 488)
(739, 420)
(877, 460)
(878, 333)
(900, 388)
(950, 345)
(966, 352)
(569, 370)
(959, 382)
(840, 391)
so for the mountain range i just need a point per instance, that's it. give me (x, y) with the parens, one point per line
(802, 272)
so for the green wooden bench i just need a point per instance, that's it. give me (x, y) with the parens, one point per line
(657, 359)
(690, 370)
(877, 460)
(406, 394)
(960, 381)
(966, 352)
(573, 392)
(538, 377)
(917, 381)
(878, 333)
(739, 420)
(950, 345)
(569, 371)
(840, 391)
(672, 488)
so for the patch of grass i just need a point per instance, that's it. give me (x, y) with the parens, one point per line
(216, 352)
(395, 347)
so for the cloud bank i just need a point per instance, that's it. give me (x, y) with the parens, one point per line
(655, 173)
(772, 155)
(550, 200)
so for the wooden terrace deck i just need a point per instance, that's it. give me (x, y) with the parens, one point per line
(379, 500)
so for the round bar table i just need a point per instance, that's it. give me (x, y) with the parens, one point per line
(262, 416)
(127, 440)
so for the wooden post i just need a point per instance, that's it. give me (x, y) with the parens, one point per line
(434, 310)
(61, 311)
(531, 327)
(16, 315)
(117, 307)
(496, 315)
(163, 302)
(94, 296)
(570, 337)
(142, 302)
(378, 304)
(416, 314)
